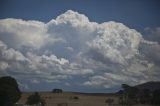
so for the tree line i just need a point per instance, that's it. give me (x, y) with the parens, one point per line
(131, 95)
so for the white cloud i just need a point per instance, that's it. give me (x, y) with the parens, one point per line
(152, 34)
(3, 65)
(151, 51)
(35, 81)
(115, 42)
(9, 54)
(12, 54)
(24, 33)
(23, 86)
(106, 54)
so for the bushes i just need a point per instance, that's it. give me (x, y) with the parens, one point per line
(9, 91)
(35, 99)
(74, 98)
(109, 101)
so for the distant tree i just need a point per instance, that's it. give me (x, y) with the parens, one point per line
(35, 99)
(121, 100)
(9, 91)
(145, 96)
(130, 95)
(57, 90)
(109, 101)
(156, 97)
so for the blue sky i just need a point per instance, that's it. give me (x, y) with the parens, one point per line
(80, 45)
(137, 14)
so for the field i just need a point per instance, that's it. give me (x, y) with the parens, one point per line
(73, 99)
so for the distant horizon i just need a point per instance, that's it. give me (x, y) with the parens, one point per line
(74, 91)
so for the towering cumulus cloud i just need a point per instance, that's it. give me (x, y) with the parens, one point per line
(70, 48)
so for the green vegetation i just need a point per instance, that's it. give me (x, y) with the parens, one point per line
(35, 99)
(9, 91)
(156, 97)
(145, 96)
(131, 96)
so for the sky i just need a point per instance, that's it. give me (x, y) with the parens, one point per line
(80, 45)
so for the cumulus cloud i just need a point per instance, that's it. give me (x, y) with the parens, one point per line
(24, 33)
(151, 51)
(10, 55)
(71, 46)
(152, 34)
(115, 42)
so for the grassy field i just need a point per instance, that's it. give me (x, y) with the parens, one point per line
(73, 99)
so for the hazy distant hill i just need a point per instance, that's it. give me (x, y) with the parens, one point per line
(153, 85)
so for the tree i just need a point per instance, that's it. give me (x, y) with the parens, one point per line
(57, 90)
(156, 97)
(35, 99)
(145, 96)
(129, 95)
(9, 91)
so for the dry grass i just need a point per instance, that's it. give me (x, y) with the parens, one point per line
(68, 99)
(73, 99)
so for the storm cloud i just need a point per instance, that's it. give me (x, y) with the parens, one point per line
(103, 55)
